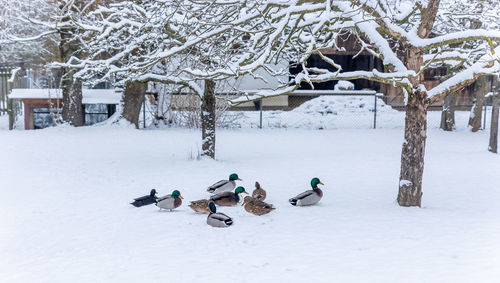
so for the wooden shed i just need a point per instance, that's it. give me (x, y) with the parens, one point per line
(42, 105)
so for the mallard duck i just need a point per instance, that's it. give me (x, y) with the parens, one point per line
(215, 219)
(200, 206)
(257, 207)
(309, 197)
(259, 192)
(228, 198)
(224, 185)
(145, 200)
(171, 201)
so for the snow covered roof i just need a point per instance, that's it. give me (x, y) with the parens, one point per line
(90, 96)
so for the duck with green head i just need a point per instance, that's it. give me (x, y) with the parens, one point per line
(217, 219)
(171, 201)
(309, 197)
(228, 198)
(224, 185)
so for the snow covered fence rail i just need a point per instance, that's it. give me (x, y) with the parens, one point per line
(317, 109)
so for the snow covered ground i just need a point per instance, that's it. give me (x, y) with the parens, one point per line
(65, 213)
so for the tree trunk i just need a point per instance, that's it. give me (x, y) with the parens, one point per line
(412, 154)
(477, 106)
(494, 119)
(133, 97)
(72, 107)
(448, 113)
(208, 119)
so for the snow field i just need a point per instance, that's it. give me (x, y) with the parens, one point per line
(65, 212)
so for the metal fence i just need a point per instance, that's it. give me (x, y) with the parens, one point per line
(323, 110)
(305, 110)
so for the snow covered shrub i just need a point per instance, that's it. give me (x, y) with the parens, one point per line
(186, 112)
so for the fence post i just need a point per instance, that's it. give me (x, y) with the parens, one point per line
(484, 112)
(375, 112)
(260, 104)
(144, 114)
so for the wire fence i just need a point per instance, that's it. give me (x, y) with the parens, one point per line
(333, 110)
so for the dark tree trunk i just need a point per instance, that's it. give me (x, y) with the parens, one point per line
(208, 119)
(133, 97)
(448, 113)
(72, 107)
(412, 154)
(72, 111)
(477, 106)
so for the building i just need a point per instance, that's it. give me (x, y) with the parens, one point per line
(42, 106)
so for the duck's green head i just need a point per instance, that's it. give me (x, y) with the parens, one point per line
(234, 177)
(240, 190)
(176, 193)
(211, 205)
(315, 182)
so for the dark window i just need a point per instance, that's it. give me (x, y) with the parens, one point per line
(44, 117)
(348, 63)
(96, 113)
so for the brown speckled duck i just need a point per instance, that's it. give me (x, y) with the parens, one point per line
(259, 192)
(200, 206)
(257, 207)
(228, 198)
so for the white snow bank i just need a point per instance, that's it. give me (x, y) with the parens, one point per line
(65, 214)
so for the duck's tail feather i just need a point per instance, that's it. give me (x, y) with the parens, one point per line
(293, 201)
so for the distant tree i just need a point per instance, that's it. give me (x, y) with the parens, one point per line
(448, 112)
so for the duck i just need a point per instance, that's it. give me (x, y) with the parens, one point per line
(217, 219)
(259, 192)
(172, 201)
(200, 206)
(256, 206)
(224, 185)
(228, 198)
(145, 200)
(309, 197)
